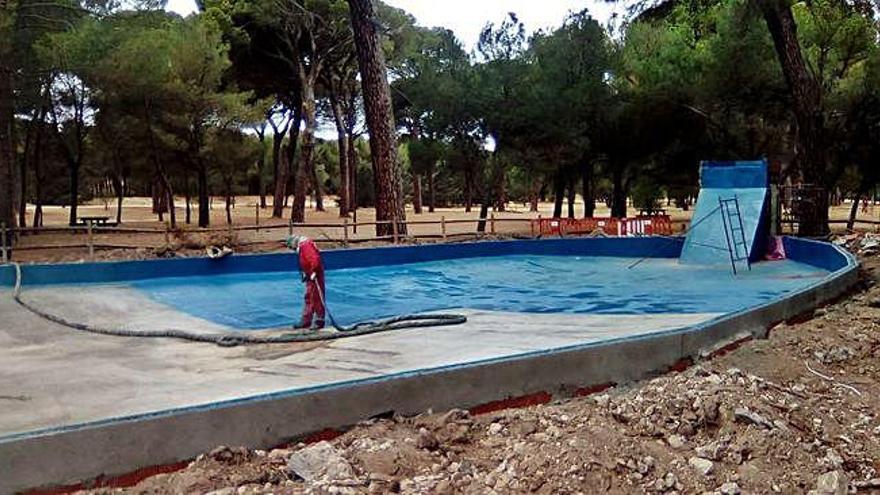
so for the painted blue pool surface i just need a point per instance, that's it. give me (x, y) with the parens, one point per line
(520, 283)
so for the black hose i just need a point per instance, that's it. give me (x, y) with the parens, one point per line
(394, 323)
(230, 339)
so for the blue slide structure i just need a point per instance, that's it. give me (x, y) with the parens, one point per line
(748, 183)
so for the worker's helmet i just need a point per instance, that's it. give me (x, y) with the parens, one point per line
(293, 242)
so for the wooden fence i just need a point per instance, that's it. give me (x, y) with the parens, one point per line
(344, 233)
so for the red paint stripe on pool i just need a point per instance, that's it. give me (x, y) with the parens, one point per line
(121, 481)
(326, 434)
(681, 365)
(512, 403)
(729, 347)
(593, 389)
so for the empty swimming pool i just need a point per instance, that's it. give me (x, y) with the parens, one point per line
(514, 283)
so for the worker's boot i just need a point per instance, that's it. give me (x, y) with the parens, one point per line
(318, 324)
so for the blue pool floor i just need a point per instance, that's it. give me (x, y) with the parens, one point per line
(518, 283)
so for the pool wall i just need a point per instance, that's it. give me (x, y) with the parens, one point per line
(116, 446)
(816, 254)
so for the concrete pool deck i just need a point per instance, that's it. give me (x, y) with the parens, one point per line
(53, 376)
(75, 406)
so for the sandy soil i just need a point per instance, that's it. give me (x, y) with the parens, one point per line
(797, 412)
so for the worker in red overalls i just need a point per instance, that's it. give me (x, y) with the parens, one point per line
(312, 270)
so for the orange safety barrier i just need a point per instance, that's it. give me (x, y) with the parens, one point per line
(620, 227)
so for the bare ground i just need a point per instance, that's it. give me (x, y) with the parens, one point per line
(797, 412)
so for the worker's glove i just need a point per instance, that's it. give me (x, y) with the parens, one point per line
(304, 277)
(313, 276)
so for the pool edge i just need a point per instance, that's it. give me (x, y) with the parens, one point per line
(116, 446)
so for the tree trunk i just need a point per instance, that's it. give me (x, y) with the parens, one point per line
(534, 192)
(38, 179)
(353, 162)
(558, 193)
(73, 179)
(7, 150)
(501, 188)
(806, 93)
(489, 195)
(279, 175)
(261, 164)
(187, 198)
(431, 196)
(305, 174)
(317, 186)
(589, 199)
(228, 203)
(204, 199)
(618, 193)
(571, 197)
(853, 212)
(169, 191)
(119, 190)
(468, 188)
(23, 167)
(380, 120)
(342, 145)
(417, 193)
(283, 169)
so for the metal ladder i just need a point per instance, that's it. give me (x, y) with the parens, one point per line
(734, 232)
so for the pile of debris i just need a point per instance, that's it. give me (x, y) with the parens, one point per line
(862, 243)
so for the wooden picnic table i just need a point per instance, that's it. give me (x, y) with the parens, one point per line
(94, 220)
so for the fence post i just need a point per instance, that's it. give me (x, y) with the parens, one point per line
(89, 240)
(394, 229)
(345, 232)
(257, 210)
(492, 223)
(290, 227)
(5, 257)
(354, 218)
(443, 226)
(167, 237)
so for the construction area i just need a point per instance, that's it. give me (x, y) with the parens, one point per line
(187, 369)
(795, 413)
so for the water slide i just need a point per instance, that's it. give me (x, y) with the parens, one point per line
(748, 183)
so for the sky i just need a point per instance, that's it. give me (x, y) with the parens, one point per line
(467, 17)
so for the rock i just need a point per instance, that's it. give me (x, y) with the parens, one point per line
(426, 440)
(833, 459)
(669, 481)
(701, 466)
(675, 441)
(523, 428)
(454, 415)
(320, 461)
(745, 415)
(729, 488)
(832, 483)
(712, 451)
(495, 428)
(279, 455)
